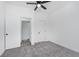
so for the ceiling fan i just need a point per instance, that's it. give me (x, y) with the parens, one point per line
(39, 4)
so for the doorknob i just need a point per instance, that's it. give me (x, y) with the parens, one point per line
(6, 34)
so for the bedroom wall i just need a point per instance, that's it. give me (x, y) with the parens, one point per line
(59, 24)
(46, 23)
(2, 45)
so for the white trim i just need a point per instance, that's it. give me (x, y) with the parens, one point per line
(25, 19)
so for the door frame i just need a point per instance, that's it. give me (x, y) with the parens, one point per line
(25, 19)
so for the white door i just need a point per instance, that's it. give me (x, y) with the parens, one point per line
(13, 31)
(12, 27)
(1, 29)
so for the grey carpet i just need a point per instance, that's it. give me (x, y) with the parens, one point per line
(41, 49)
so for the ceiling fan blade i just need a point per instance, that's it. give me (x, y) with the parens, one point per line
(45, 2)
(38, 2)
(43, 7)
(31, 3)
(35, 8)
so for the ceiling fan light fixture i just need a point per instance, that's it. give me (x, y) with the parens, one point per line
(38, 5)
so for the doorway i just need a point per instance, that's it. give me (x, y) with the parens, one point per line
(25, 33)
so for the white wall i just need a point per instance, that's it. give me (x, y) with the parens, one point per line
(59, 24)
(2, 47)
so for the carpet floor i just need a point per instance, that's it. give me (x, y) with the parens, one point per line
(41, 49)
